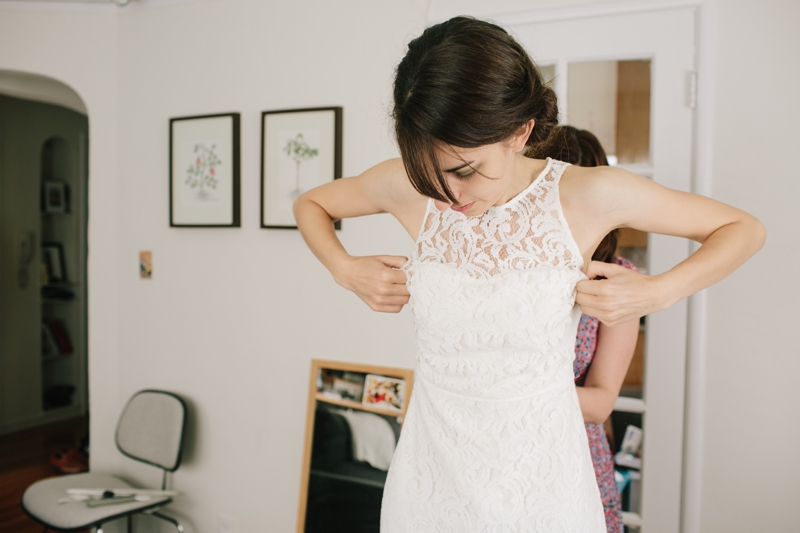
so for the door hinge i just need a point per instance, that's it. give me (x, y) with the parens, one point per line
(691, 89)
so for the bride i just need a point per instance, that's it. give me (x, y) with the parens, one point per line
(494, 438)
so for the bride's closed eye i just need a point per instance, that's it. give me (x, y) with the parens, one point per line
(464, 175)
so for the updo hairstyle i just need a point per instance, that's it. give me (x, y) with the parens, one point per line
(465, 83)
(580, 147)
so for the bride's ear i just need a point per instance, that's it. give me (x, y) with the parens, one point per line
(520, 137)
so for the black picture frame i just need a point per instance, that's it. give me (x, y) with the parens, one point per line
(200, 129)
(55, 262)
(55, 197)
(329, 151)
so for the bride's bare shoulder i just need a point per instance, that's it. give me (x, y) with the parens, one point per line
(591, 190)
(389, 181)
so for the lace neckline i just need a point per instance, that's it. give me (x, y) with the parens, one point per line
(527, 231)
(523, 192)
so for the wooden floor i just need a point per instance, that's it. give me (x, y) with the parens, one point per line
(24, 459)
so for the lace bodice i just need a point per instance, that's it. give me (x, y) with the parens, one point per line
(494, 440)
(501, 284)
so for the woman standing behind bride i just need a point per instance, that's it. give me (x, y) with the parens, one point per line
(494, 438)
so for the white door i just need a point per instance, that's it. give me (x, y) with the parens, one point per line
(580, 53)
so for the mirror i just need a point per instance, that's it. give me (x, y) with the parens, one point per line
(355, 414)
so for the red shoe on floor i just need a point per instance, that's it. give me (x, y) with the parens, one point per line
(69, 461)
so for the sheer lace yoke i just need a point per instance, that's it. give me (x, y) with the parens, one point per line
(526, 232)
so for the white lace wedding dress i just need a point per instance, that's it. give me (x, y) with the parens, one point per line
(494, 439)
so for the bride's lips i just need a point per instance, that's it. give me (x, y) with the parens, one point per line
(462, 208)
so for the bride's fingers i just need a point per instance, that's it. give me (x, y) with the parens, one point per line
(392, 304)
(591, 286)
(605, 270)
(393, 289)
(590, 300)
(394, 300)
(395, 276)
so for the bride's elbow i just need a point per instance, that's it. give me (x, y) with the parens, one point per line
(759, 233)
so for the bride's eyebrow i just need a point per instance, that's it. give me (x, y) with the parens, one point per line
(455, 169)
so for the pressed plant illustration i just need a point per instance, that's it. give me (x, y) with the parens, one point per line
(299, 150)
(201, 175)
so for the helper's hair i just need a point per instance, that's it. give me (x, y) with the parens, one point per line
(465, 83)
(580, 147)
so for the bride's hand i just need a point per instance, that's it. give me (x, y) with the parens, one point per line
(622, 296)
(376, 280)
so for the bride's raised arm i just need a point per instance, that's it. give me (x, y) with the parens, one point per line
(602, 198)
(383, 188)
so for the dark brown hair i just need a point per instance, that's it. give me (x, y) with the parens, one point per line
(580, 147)
(465, 83)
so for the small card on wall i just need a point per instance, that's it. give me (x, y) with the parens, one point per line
(146, 264)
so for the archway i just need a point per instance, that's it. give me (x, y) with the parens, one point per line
(43, 224)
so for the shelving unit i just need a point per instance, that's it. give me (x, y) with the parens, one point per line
(338, 490)
(45, 157)
(341, 402)
(60, 225)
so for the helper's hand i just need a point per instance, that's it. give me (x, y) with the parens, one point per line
(622, 296)
(376, 280)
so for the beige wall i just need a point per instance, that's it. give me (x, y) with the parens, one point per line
(233, 316)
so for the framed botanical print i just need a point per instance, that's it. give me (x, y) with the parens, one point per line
(204, 171)
(300, 149)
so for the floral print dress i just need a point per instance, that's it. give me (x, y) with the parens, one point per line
(585, 346)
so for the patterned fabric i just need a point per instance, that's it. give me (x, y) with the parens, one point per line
(494, 439)
(585, 347)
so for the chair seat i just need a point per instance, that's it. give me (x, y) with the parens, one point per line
(40, 501)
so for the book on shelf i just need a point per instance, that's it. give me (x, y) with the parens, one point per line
(628, 455)
(628, 460)
(55, 339)
(57, 293)
(59, 328)
(49, 344)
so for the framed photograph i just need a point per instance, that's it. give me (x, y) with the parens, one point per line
(204, 171)
(53, 260)
(382, 391)
(300, 149)
(55, 197)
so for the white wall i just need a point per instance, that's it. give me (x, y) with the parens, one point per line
(752, 466)
(233, 316)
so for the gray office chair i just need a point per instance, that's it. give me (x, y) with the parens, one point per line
(150, 430)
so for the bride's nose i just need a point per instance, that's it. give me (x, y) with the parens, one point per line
(442, 206)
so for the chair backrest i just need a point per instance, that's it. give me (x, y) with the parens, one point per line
(151, 428)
